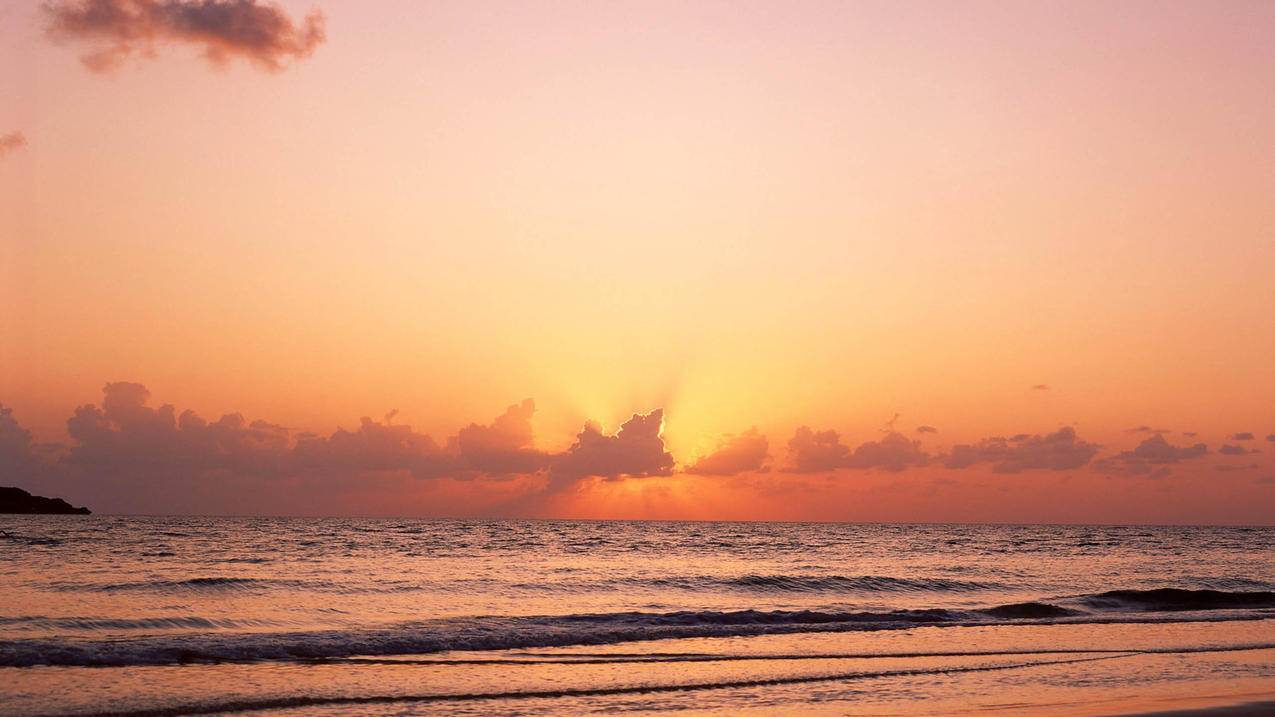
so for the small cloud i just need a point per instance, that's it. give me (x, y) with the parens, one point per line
(1040, 387)
(735, 454)
(1154, 451)
(1231, 468)
(118, 29)
(1057, 451)
(1270, 437)
(12, 142)
(894, 453)
(1265, 480)
(1244, 436)
(1189, 434)
(1233, 450)
(1148, 429)
(811, 452)
(926, 429)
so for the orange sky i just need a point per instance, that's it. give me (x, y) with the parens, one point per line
(746, 214)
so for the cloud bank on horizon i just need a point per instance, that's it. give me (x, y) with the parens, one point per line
(129, 446)
(116, 30)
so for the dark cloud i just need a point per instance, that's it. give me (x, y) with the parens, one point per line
(374, 447)
(1058, 451)
(894, 453)
(926, 429)
(126, 438)
(1154, 451)
(1243, 436)
(22, 461)
(1271, 437)
(1233, 450)
(811, 452)
(505, 446)
(125, 435)
(132, 456)
(1230, 468)
(636, 450)
(735, 454)
(12, 142)
(223, 29)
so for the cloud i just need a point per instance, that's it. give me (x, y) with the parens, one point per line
(636, 450)
(1147, 429)
(1230, 468)
(1154, 451)
(373, 447)
(1040, 387)
(1244, 436)
(127, 435)
(1057, 451)
(926, 429)
(811, 452)
(503, 448)
(894, 453)
(1233, 450)
(1271, 437)
(735, 454)
(129, 455)
(224, 29)
(12, 142)
(22, 461)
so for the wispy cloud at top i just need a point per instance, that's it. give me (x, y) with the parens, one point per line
(118, 29)
(12, 142)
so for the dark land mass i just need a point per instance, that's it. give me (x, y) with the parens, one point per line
(16, 500)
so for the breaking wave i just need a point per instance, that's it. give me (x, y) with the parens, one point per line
(1176, 599)
(505, 633)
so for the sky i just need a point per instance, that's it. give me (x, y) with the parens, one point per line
(898, 261)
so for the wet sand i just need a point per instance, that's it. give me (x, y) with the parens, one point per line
(1247, 709)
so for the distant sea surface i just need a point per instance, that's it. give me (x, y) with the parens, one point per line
(167, 616)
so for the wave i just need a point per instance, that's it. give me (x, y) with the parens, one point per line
(863, 583)
(1177, 599)
(764, 583)
(292, 702)
(1029, 610)
(197, 584)
(745, 583)
(178, 622)
(214, 584)
(508, 633)
(228, 583)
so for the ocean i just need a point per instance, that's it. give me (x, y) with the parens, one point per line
(334, 616)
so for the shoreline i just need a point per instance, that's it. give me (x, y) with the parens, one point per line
(1258, 708)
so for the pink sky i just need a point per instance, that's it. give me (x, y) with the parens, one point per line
(767, 215)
